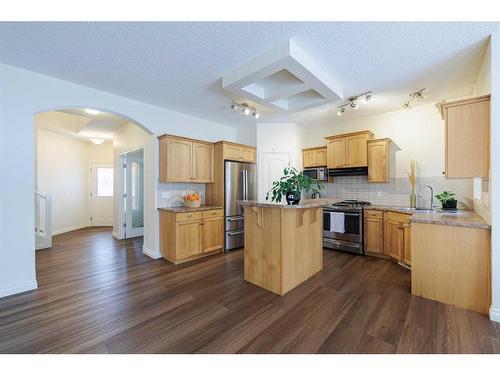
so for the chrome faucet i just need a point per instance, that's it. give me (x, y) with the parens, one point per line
(432, 197)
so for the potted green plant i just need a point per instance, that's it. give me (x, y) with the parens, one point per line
(447, 199)
(291, 185)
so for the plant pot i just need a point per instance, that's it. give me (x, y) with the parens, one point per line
(450, 205)
(293, 197)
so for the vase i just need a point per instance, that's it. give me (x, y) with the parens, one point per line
(413, 200)
(293, 197)
(450, 205)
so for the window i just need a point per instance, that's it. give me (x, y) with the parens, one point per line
(104, 181)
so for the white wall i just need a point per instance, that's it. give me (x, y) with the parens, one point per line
(22, 95)
(495, 175)
(419, 133)
(63, 171)
(247, 134)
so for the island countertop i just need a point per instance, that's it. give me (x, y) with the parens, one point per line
(304, 203)
(189, 209)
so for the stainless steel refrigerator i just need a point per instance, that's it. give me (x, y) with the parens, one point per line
(240, 183)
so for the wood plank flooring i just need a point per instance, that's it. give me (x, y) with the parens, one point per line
(100, 295)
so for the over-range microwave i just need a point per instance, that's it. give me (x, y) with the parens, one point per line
(319, 173)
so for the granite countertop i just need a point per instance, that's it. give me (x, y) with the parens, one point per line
(304, 203)
(189, 209)
(459, 218)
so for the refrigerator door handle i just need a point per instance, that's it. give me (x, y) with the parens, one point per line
(244, 172)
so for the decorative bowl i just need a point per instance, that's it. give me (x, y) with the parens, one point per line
(192, 204)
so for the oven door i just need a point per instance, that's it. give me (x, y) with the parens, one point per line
(353, 225)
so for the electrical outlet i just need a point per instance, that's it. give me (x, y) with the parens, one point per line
(379, 193)
(166, 195)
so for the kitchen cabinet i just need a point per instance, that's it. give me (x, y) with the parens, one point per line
(238, 152)
(378, 152)
(314, 157)
(406, 244)
(190, 235)
(396, 225)
(348, 150)
(467, 137)
(374, 231)
(185, 160)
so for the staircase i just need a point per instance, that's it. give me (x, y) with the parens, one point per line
(43, 221)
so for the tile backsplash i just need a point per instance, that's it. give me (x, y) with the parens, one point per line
(396, 192)
(170, 194)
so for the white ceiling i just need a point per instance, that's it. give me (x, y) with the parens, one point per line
(100, 125)
(180, 65)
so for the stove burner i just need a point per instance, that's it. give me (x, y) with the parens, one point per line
(352, 203)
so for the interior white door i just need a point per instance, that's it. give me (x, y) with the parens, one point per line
(101, 195)
(271, 165)
(134, 193)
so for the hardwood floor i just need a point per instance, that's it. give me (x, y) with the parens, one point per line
(100, 295)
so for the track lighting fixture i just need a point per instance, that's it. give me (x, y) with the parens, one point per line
(417, 95)
(246, 109)
(353, 102)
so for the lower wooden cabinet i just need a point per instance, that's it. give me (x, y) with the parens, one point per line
(396, 225)
(388, 233)
(189, 235)
(374, 231)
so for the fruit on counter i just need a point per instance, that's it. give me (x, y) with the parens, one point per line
(192, 197)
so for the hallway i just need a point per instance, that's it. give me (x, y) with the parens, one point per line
(100, 295)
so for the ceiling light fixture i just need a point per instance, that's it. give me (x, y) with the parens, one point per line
(417, 95)
(91, 111)
(246, 109)
(97, 141)
(353, 102)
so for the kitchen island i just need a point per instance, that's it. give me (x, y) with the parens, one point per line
(283, 243)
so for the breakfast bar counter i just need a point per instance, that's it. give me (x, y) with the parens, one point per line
(283, 243)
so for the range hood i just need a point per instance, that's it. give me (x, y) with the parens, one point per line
(358, 171)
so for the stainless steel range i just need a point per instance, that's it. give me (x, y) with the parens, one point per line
(343, 226)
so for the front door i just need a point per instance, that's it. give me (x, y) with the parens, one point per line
(101, 195)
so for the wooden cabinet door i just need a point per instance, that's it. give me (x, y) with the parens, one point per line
(248, 154)
(188, 238)
(374, 238)
(231, 152)
(213, 234)
(468, 140)
(203, 162)
(378, 161)
(407, 244)
(179, 160)
(393, 238)
(308, 158)
(336, 152)
(356, 150)
(320, 158)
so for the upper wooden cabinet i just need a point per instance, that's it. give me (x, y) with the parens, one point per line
(348, 150)
(238, 152)
(185, 160)
(378, 160)
(467, 135)
(314, 157)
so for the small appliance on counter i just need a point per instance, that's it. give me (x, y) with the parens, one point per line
(343, 226)
(317, 174)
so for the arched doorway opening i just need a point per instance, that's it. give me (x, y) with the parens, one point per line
(82, 180)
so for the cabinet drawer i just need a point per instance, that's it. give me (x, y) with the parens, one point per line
(374, 214)
(403, 218)
(187, 216)
(212, 213)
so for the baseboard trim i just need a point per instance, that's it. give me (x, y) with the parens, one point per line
(69, 229)
(19, 288)
(494, 314)
(150, 253)
(116, 235)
